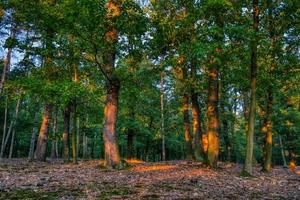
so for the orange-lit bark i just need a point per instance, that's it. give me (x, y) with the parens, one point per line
(112, 156)
(253, 67)
(267, 130)
(66, 133)
(186, 124)
(41, 147)
(213, 120)
(196, 114)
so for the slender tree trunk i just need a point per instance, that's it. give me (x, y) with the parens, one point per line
(33, 137)
(41, 147)
(74, 137)
(66, 133)
(84, 139)
(4, 129)
(12, 143)
(162, 125)
(213, 120)
(186, 125)
(250, 143)
(54, 139)
(7, 61)
(282, 151)
(11, 127)
(78, 136)
(130, 136)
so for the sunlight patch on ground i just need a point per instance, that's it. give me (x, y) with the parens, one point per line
(153, 168)
(134, 161)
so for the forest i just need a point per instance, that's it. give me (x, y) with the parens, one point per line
(149, 99)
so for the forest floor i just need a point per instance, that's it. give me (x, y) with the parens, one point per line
(20, 179)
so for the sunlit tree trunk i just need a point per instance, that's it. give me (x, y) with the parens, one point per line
(33, 137)
(66, 133)
(267, 130)
(41, 147)
(250, 134)
(186, 126)
(196, 114)
(213, 119)
(112, 156)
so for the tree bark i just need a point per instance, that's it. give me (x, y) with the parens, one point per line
(162, 110)
(4, 129)
(41, 147)
(186, 126)
(282, 151)
(12, 141)
(74, 137)
(250, 134)
(66, 133)
(11, 127)
(33, 137)
(213, 120)
(196, 114)
(7, 61)
(267, 130)
(112, 156)
(54, 139)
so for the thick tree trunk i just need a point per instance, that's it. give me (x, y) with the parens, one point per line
(196, 114)
(112, 156)
(213, 119)
(41, 147)
(66, 133)
(186, 126)
(250, 134)
(33, 137)
(162, 110)
(54, 139)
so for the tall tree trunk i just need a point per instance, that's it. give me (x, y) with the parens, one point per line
(7, 61)
(11, 127)
(250, 134)
(4, 129)
(54, 139)
(162, 110)
(33, 137)
(12, 141)
(267, 130)
(196, 114)
(282, 151)
(186, 125)
(130, 136)
(74, 137)
(41, 147)
(84, 139)
(112, 155)
(66, 133)
(213, 119)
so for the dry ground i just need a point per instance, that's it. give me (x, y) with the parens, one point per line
(20, 179)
